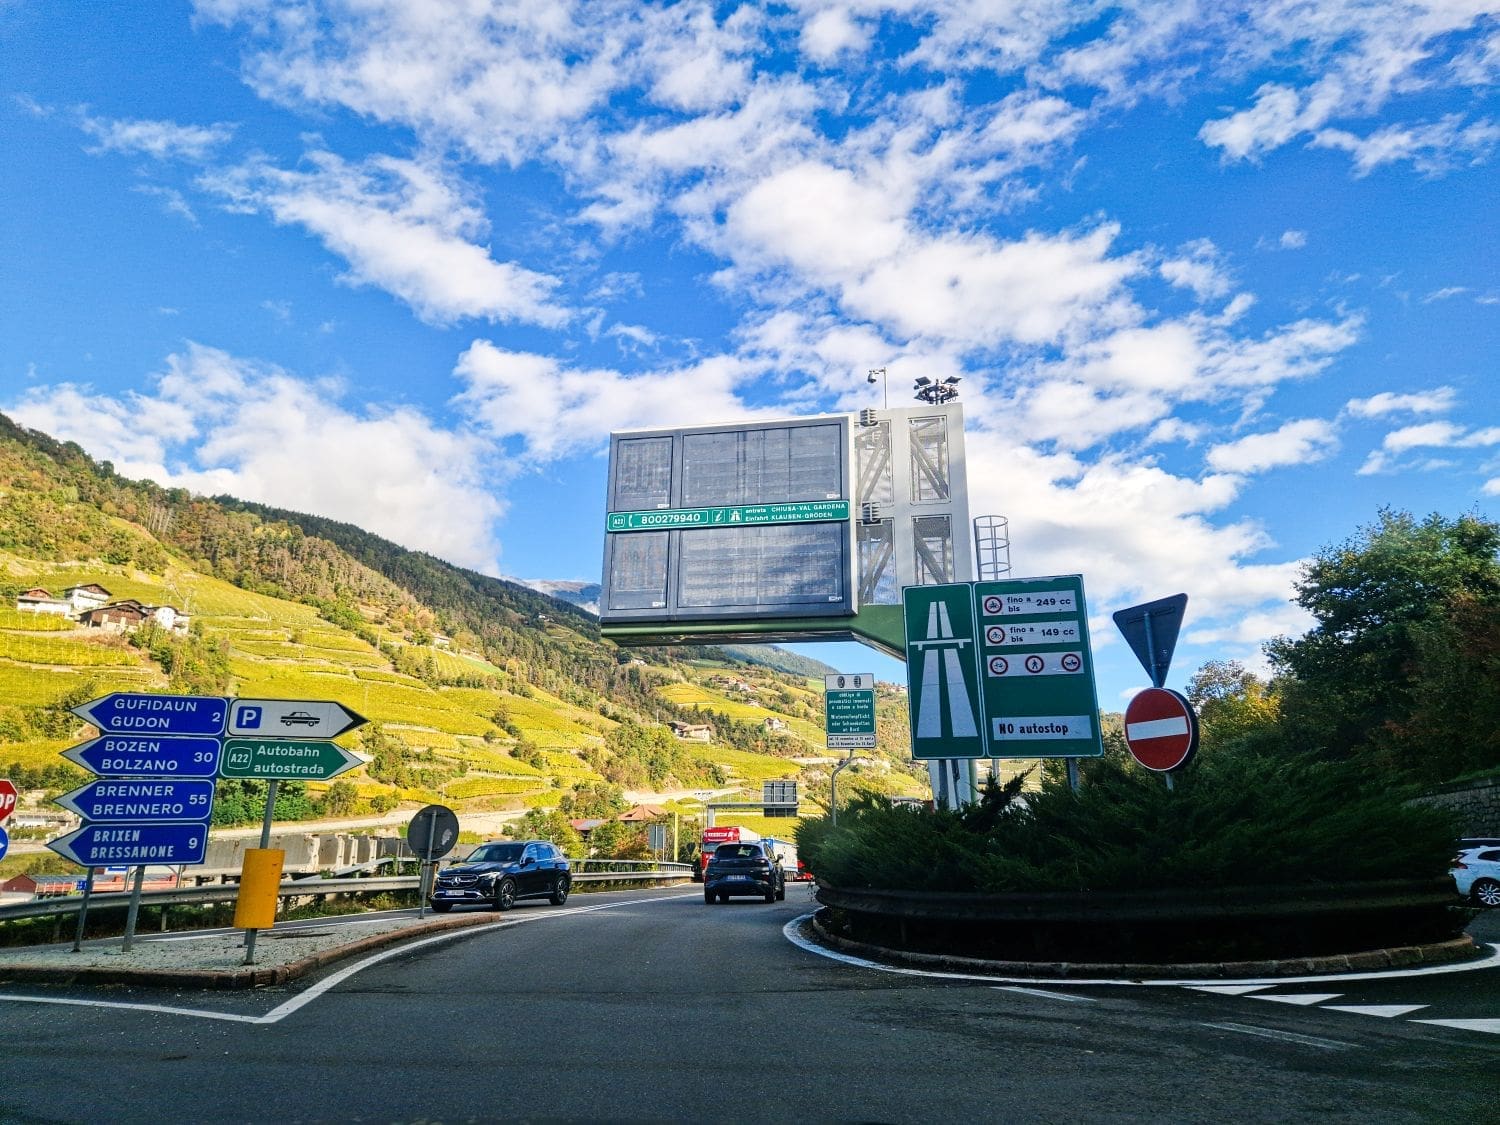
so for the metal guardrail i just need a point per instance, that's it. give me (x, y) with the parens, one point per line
(598, 871)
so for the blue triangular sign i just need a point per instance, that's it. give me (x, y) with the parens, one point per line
(1151, 631)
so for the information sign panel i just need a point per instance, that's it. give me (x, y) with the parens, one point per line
(125, 712)
(285, 759)
(942, 671)
(159, 800)
(849, 711)
(96, 845)
(1037, 669)
(125, 755)
(301, 718)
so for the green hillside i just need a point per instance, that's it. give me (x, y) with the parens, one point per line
(480, 693)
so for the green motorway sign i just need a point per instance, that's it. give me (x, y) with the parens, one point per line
(942, 672)
(667, 519)
(285, 759)
(1036, 669)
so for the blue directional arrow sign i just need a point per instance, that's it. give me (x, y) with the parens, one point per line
(4, 843)
(157, 799)
(124, 712)
(125, 755)
(97, 845)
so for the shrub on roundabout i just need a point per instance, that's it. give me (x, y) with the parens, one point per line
(1255, 853)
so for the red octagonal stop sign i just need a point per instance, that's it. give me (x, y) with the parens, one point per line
(1161, 729)
(7, 797)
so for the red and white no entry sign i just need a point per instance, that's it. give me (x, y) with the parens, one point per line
(1161, 729)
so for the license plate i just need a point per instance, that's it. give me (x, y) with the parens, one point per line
(738, 878)
(445, 894)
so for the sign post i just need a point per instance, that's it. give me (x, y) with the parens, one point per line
(435, 831)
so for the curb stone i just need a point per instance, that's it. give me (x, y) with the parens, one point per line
(1447, 952)
(251, 976)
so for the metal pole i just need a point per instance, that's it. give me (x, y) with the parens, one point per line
(135, 907)
(83, 910)
(1073, 774)
(265, 842)
(1151, 648)
(426, 869)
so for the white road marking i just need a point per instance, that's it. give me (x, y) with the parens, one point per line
(281, 1011)
(1284, 1036)
(789, 931)
(1306, 999)
(1384, 1011)
(1491, 1027)
(136, 1007)
(1046, 995)
(1229, 989)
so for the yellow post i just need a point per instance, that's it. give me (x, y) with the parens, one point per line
(260, 880)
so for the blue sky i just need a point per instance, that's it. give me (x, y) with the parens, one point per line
(1220, 280)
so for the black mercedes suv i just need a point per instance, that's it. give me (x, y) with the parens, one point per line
(743, 869)
(498, 873)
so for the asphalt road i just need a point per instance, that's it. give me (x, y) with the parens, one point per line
(651, 1005)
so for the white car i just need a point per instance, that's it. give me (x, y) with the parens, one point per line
(1476, 873)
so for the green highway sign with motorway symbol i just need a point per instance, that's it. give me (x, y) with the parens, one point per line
(941, 672)
(285, 759)
(1036, 669)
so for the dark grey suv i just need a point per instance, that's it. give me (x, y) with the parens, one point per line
(743, 869)
(499, 873)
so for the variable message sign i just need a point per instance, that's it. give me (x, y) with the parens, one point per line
(96, 845)
(125, 712)
(122, 755)
(285, 759)
(152, 799)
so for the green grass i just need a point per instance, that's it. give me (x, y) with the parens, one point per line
(489, 787)
(36, 754)
(10, 618)
(37, 648)
(32, 686)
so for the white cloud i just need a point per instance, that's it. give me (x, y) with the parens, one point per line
(219, 424)
(1293, 239)
(832, 32)
(1199, 268)
(172, 201)
(1431, 148)
(1445, 293)
(403, 226)
(161, 140)
(1426, 435)
(1295, 443)
(1439, 400)
(556, 411)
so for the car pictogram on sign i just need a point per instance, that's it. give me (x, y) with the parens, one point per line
(299, 719)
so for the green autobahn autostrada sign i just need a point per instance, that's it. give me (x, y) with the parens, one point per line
(668, 519)
(285, 759)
